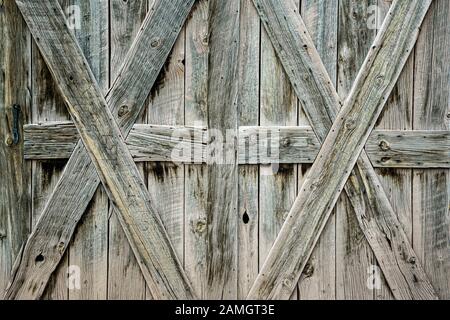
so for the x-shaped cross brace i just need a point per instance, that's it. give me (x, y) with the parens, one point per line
(117, 172)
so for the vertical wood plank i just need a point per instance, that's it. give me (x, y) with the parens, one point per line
(353, 254)
(431, 188)
(166, 180)
(397, 115)
(318, 281)
(248, 219)
(125, 280)
(15, 173)
(222, 192)
(278, 183)
(47, 105)
(88, 252)
(196, 180)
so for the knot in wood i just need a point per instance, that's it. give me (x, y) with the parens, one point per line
(384, 145)
(156, 42)
(379, 79)
(412, 260)
(61, 247)
(287, 282)
(308, 271)
(350, 124)
(123, 110)
(9, 141)
(200, 226)
(286, 142)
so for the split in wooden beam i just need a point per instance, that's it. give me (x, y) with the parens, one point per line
(48, 242)
(343, 143)
(179, 144)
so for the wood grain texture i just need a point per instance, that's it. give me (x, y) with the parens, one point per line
(196, 180)
(354, 257)
(125, 280)
(47, 105)
(222, 191)
(149, 143)
(431, 188)
(125, 86)
(277, 183)
(409, 149)
(166, 180)
(318, 280)
(350, 130)
(88, 251)
(15, 180)
(248, 211)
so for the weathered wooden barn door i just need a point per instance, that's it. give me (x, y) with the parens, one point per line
(213, 149)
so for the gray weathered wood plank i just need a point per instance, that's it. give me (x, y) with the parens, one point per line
(166, 179)
(88, 252)
(278, 106)
(222, 171)
(348, 134)
(15, 180)
(318, 281)
(47, 105)
(125, 280)
(196, 180)
(431, 188)
(248, 211)
(385, 148)
(128, 94)
(354, 257)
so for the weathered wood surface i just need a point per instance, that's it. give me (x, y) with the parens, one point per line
(318, 280)
(105, 145)
(88, 251)
(431, 188)
(196, 180)
(165, 180)
(393, 149)
(278, 106)
(15, 173)
(348, 134)
(127, 95)
(222, 171)
(181, 144)
(354, 256)
(125, 280)
(248, 211)
(409, 149)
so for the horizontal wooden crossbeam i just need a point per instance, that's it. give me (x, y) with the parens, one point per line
(385, 148)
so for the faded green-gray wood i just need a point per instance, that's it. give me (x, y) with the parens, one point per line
(337, 157)
(126, 99)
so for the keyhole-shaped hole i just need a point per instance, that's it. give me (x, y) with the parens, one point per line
(245, 217)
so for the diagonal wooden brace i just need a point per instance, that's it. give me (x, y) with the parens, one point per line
(107, 155)
(340, 151)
